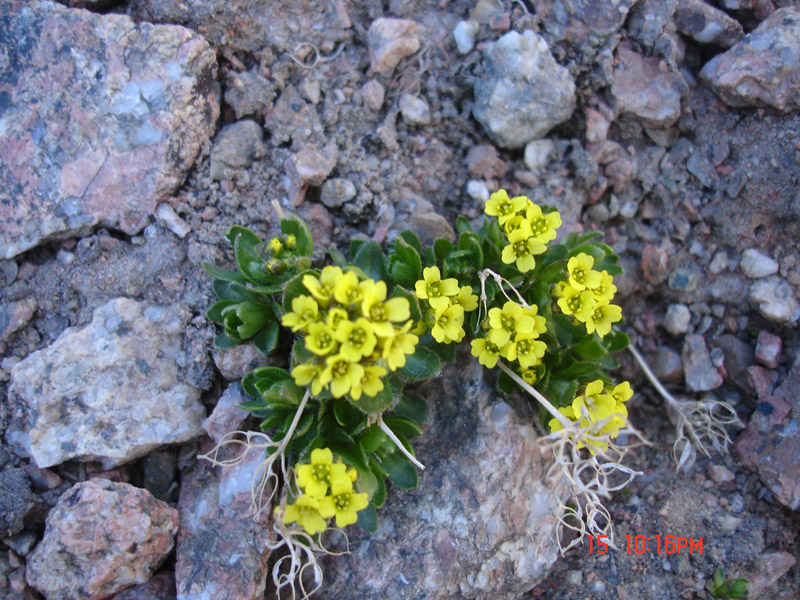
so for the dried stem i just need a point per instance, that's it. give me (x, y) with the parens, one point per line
(398, 443)
(565, 422)
(699, 424)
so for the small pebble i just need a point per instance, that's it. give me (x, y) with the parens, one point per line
(677, 319)
(464, 35)
(167, 215)
(65, 257)
(719, 263)
(415, 109)
(537, 154)
(477, 190)
(720, 474)
(373, 94)
(768, 349)
(756, 265)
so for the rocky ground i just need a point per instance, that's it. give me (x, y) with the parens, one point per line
(134, 134)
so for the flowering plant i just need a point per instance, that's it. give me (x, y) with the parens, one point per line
(348, 339)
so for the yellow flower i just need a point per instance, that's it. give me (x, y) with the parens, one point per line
(606, 289)
(305, 311)
(336, 316)
(539, 322)
(342, 374)
(515, 223)
(347, 290)
(322, 288)
(306, 373)
(357, 339)
(581, 275)
(383, 312)
(486, 351)
(529, 376)
(315, 478)
(448, 327)
(343, 503)
(396, 347)
(521, 249)
(579, 304)
(594, 403)
(320, 339)
(622, 392)
(275, 246)
(603, 315)
(435, 290)
(305, 511)
(290, 242)
(543, 226)
(370, 383)
(466, 299)
(525, 349)
(504, 208)
(555, 424)
(508, 321)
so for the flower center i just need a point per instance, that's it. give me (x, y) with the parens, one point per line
(322, 473)
(579, 275)
(507, 321)
(324, 340)
(539, 226)
(377, 313)
(523, 347)
(521, 248)
(574, 303)
(342, 501)
(433, 289)
(308, 315)
(340, 368)
(506, 208)
(357, 337)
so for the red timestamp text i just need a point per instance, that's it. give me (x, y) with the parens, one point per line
(649, 544)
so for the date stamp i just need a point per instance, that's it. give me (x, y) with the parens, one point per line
(649, 544)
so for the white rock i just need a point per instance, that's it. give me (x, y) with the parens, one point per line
(756, 265)
(719, 263)
(775, 299)
(167, 215)
(537, 154)
(677, 319)
(415, 109)
(477, 190)
(227, 416)
(373, 94)
(464, 35)
(109, 391)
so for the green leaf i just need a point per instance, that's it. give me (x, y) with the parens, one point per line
(401, 472)
(246, 246)
(505, 384)
(355, 245)
(254, 405)
(445, 352)
(410, 238)
(368, 519)
(380, 493)
(616, 340)
(561, 392)
(441, 248)
(214, 313)
(401, 272)
(371, 438)
(423, 364)
(337, 257)
(295, 226)
(462, 225)
(402, 425)
(267, 339)
(346, 414)
(272, 420)
(223, 342)
(223, 274)
(580, 371)
(589, 348)
(369, 259)
(494, 232)
(413, 408)
(374, 405)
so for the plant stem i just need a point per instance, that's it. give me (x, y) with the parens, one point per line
(566, 423)
(670, 399)
(398, 443)
(288, 437)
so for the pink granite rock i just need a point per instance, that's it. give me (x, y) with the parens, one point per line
(221, 551)
(102, 120)
(390, 41)
(100, 538)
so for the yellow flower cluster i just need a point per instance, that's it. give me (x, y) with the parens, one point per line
(354, 333)
(526, 228)
(276, 248)
(328, 492)
(586, 295)
(448, 303)
(513, 335)
(598, 402)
